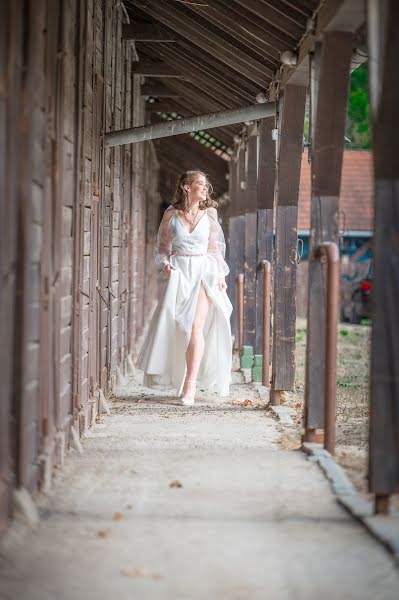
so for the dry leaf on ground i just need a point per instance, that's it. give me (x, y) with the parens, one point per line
(135, 572)
(118, 516)
(139, 572)
(104, 533)
(246, 403)
(175, 484)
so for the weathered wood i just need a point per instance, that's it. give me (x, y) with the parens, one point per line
(158, 89)
(146, 33)
(332, 73)
(285, 265)
(384, 372)
(10, 66)
(222, 89)
(250, 244)
(202, 37)
(155, 69)
(265, 204)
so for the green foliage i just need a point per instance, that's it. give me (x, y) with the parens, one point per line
(358, 126)
(358, 117)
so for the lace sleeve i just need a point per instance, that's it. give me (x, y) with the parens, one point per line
(216, 243)
(163, 244)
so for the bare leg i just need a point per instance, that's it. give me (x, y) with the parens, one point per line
(196, 346)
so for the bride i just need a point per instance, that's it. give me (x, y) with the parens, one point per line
(189, 337)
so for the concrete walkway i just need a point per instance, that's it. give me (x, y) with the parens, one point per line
(251, 521)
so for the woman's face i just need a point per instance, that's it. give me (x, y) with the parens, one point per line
(199, 188)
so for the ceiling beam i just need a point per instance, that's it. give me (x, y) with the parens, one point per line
(158, 89)
(334, 15)
(202, 37)
(222, 19)
(220, 89)
(203, 61)
(146, 33)
(154, 69)
(280, 23)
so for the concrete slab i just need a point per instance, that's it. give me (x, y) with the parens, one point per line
(384, 527)
(250, 521)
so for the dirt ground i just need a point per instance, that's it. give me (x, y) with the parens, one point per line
(352, 401)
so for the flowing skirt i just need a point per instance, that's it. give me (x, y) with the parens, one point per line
(163, 355)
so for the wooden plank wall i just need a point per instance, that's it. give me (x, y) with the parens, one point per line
(80, 279)
(10, 74)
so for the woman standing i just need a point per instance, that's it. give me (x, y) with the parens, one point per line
(189, 337)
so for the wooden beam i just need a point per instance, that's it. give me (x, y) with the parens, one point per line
(165, 106)
(280, 26)
(265, 204)
(154, 69)
(200, 71)
(250, 242)
(146, 33)
(285, 267)
(237, 233)
(224, 18)
(231, 238)
(331, 72)
(200, 36)
(221, 89)
(384, 373)
(338, 15)
(159, 90)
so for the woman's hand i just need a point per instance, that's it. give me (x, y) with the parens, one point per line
(167, 269)
(222, 284)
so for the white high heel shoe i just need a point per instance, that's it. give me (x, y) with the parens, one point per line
(187, 399)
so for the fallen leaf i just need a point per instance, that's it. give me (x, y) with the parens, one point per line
(140, 572)
(175, 484)
(118, 516)
(104, 533)
(136, 572)
(246, 403)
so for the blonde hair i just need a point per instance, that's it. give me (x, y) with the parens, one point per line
(180, 198)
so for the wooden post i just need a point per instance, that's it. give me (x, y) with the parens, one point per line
(265, 203)
(250, 242)
(330, 73)
(232, 209)
(237, 242)
(384, 375)
(289, 167)
(11, 47)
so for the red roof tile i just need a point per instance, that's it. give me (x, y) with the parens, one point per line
(356, 200)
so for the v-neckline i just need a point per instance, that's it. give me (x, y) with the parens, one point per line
(198, 222)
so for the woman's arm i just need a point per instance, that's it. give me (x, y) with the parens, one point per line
(163, 244)
(217, 244)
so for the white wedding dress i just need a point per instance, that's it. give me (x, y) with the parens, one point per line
(197, 256)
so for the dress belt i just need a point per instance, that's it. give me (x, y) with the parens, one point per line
(183, 254)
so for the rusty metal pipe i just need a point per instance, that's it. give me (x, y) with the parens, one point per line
(198, 123)
(240, 310)
(329, 253)
(266, 323)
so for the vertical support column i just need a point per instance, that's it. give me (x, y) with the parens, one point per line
(289, 168)
(237, 243)
(330, 74)
(232, 208)
(265, 204)
(250, 241)
(384, 375)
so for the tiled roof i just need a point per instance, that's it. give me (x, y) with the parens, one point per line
(356, 197)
